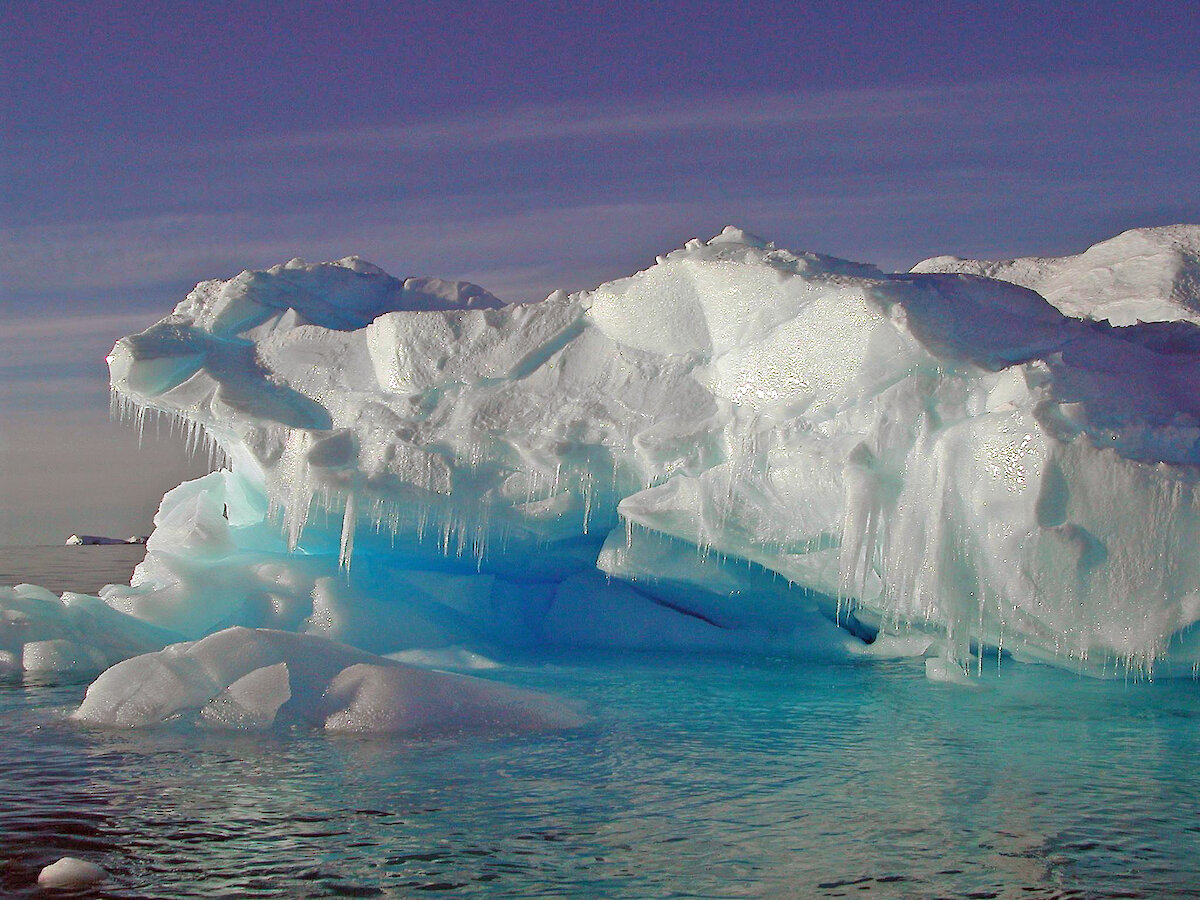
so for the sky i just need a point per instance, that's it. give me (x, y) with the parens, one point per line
(527, 147)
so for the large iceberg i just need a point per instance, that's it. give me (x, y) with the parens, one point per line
(738, 448)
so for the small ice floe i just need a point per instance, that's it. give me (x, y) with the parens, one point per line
(445, 658)
(41, 633)
(91, 540)
(254, 679)
(70, 872)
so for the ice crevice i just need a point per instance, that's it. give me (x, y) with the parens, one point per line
(739, 448)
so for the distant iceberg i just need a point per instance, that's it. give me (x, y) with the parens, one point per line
(739, 448)
(77, 540)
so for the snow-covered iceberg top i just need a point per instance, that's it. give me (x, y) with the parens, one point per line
(1142, 275)
(737, 447)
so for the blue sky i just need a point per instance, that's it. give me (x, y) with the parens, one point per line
(528, 147)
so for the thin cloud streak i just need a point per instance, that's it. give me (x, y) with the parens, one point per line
(139, 254)
(151, 262)
(48, 332)
(1005, 100)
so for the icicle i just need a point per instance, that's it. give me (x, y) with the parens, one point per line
(349, 520)
(587, 501)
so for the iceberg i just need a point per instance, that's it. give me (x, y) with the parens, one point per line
(738, 448)
(77, 540)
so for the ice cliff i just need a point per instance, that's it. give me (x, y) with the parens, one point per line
(738, 448)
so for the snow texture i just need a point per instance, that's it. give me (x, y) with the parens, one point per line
(739, 448)
(1146, 275)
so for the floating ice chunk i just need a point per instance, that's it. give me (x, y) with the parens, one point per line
(948, 671)
(62, 656)
(382, 699)
(77, 540)
(76, 633)
(70, 872)
(252, 678)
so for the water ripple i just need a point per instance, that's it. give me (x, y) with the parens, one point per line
(716, 778)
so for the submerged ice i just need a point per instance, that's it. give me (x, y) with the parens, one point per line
(738, 448)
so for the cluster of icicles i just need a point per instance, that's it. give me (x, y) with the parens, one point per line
(293, 498)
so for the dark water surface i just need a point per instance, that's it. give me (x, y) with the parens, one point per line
(720, 777)
(84, 569)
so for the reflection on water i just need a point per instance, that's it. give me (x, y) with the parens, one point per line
(719, 778)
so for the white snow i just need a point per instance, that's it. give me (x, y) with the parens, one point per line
(739, 447)
(1147, 275)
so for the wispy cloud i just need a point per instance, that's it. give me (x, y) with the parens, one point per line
(563, 195)
(33, 338)
(122, 260)
(1004, 100)
(576, 121)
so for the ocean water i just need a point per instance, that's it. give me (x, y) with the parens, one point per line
(85, 569)
(696, 777)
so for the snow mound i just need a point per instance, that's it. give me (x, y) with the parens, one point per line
(251, 679)
(1146, 275)
(738, 448)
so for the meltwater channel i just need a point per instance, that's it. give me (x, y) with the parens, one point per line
(696, 777)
